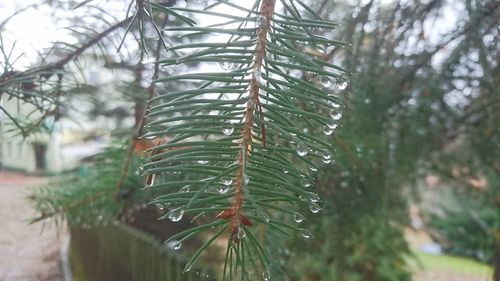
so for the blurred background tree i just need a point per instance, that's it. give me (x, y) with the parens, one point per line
(423, 101)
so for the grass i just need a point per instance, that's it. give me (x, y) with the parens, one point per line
(447, 263)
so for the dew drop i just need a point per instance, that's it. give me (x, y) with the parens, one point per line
(160, 207)
(313, 197)
(332, 124)
(176, 214)
(302, 149)
(187, 268)
(227, 181)
(222, 189)
(202, 162)
(327, 131)
(326, 157)
(305, 183)
(261, 21)
(266, 276)
(305, 233)
(298, 217)
(325, 82)
(227, 128)
(185, 188)
(257, 73)
(335, 113)
(313, 168)
(341, 84)
(285, 171)
(150, 180)
(246, 179)
(226, 65)
(314, 208)
(174, 244)
(266, 217)
(334, 104)
(241, 233)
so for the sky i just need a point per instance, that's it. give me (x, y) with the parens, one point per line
(35, 29)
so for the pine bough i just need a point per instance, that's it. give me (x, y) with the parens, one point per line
(245, 141)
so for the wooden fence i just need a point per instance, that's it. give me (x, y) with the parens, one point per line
(118, 252)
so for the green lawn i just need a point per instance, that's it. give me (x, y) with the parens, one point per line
(446, 263)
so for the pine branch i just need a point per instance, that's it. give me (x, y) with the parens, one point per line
(235, 213)
(48, 69)
(254, 125)
(140, 125)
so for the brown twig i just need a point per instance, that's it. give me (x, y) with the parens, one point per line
(71, 56)
(142, 120)
(234, 212)
(70, 206)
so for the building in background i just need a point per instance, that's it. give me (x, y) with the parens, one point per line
(53, 149)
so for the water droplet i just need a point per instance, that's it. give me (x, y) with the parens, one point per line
(185, 188)
(344, 184)
(222, 189)
(241, 233)
(327, 131)
(257, 74)
(160, 207)
(336, 113)
(302, 149)
(341, 84)
(305, 233)
(334, 104)
(227, 181)
(332, 124)
(176, 214)
(150, 180)
(226, 65)
(265, 216)
(285, 171)
(325, 82)
(246, 179)
(174, 244)
(298, 217)
(187, 268)
(313, 197)
(227, 128)
(261, 21)
(326, 157)
(305, 183)
(313, 168)
(266, 276)
(202, 162)
(314, 208)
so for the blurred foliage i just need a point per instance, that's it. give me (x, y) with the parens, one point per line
(413, 109)
(469, 232)
(87, 196)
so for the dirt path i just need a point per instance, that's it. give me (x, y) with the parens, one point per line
(26, 253)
